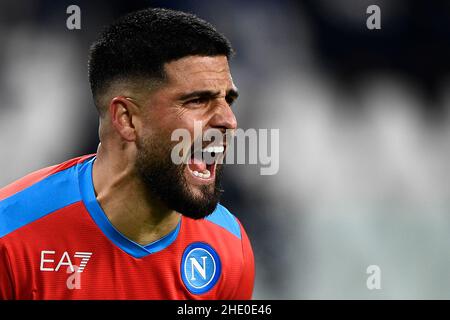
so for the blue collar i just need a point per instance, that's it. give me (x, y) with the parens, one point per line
(90, 201)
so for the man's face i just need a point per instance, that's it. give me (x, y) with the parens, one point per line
(198, 89)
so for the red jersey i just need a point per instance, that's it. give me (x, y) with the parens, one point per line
(57, 243)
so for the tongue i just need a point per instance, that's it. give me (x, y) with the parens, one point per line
(197, 165)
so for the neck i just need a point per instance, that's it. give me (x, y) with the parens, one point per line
(126, 202)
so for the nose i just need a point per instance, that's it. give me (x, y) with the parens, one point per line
(223, 117)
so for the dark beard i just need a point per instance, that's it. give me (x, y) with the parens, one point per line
(166, 181)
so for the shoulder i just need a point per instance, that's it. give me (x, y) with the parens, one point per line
(38, 194)
(222, 217)
(37, 176)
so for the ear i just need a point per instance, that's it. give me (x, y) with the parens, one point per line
(123, 117)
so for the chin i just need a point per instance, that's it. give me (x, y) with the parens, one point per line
(202, 202)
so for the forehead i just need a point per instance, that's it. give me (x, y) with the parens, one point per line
(199, 73)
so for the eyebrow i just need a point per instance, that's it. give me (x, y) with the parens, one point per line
(232, 93)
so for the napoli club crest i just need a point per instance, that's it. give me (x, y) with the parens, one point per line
(200, 267)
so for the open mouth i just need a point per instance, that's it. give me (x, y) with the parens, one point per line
(202, 164)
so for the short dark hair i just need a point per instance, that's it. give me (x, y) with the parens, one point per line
(140, 43)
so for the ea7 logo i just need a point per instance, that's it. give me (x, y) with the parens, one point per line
(51, 261)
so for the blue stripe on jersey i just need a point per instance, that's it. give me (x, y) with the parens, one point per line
(38, 200)
(95, 210)
(224, 218)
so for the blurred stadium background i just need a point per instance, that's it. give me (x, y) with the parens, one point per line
(364, 119)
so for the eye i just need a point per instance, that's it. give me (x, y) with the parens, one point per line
(197, 101)
(230, 101)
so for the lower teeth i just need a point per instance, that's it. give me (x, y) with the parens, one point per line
(205, 174)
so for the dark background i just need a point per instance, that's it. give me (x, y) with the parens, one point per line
(364, 131)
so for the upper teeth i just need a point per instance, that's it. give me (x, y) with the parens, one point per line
(216, 149)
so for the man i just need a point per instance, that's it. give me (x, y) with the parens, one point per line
(128, 222)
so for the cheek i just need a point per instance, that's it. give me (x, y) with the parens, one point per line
(188, 124)
(195, 121)
(156, 127)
